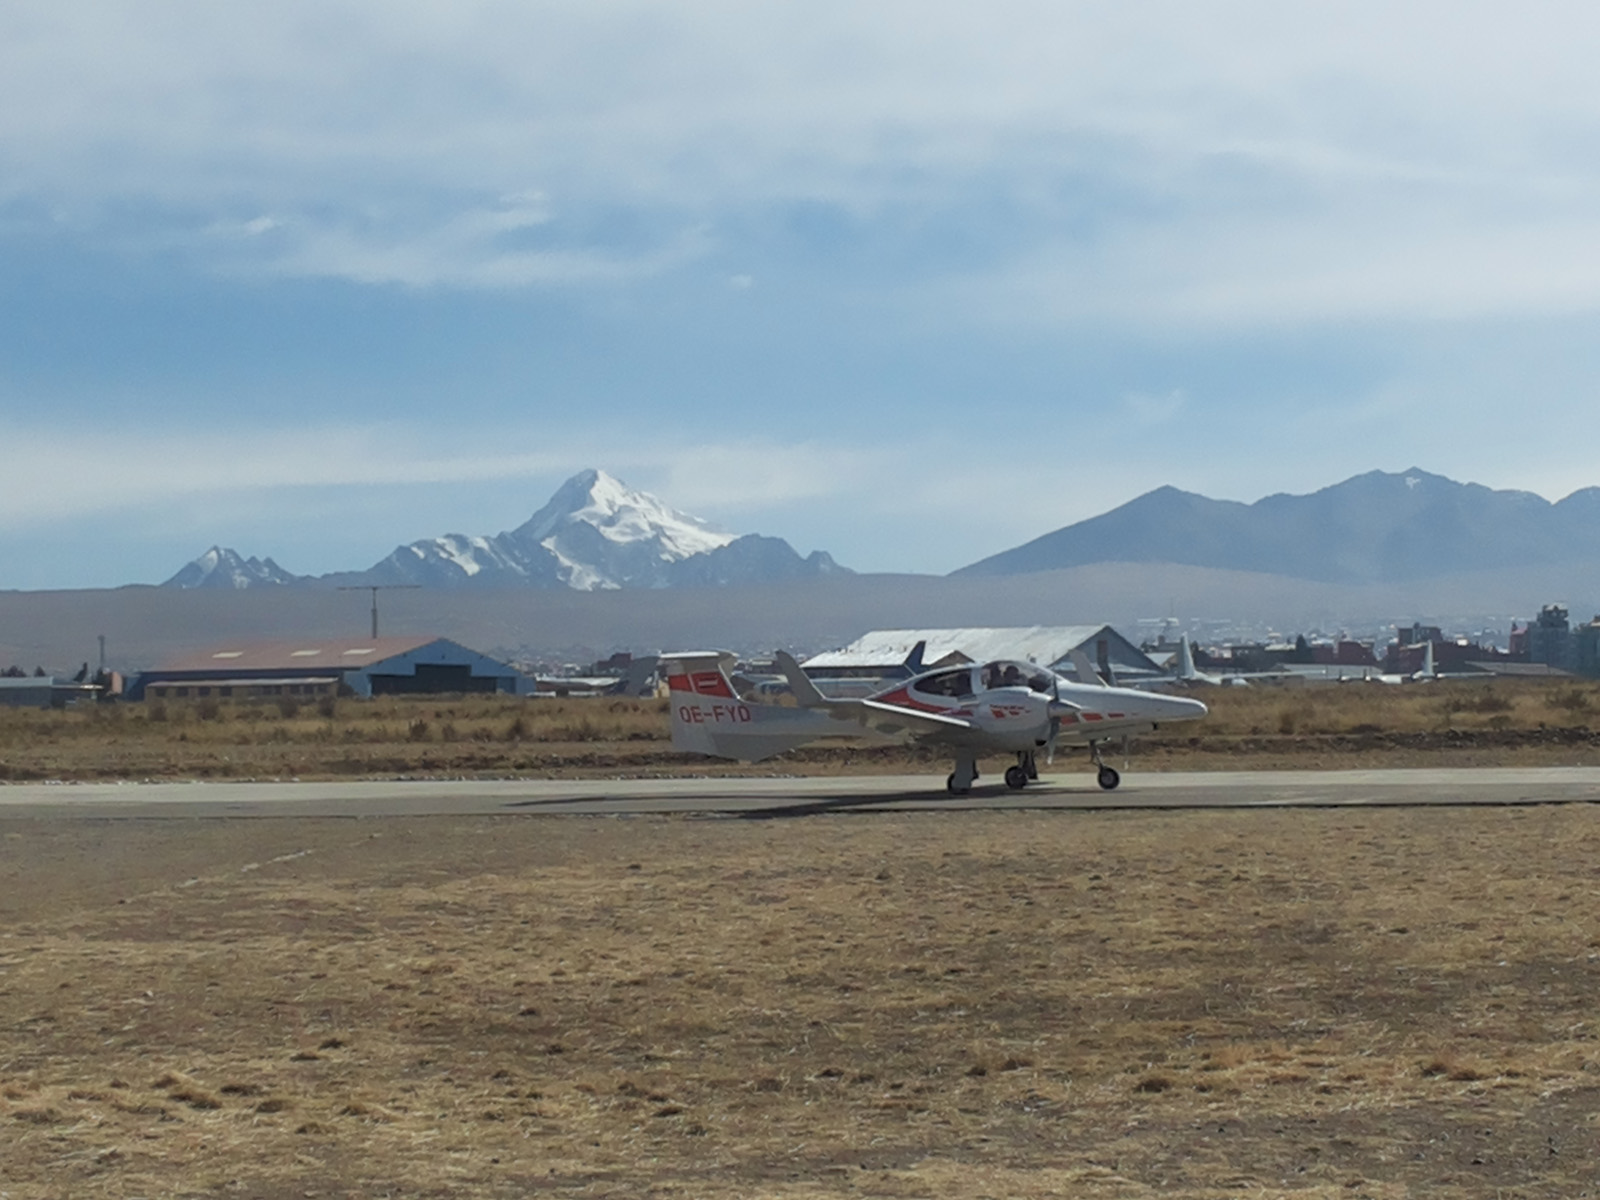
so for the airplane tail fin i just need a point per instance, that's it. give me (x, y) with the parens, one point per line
(1429, 670)
(1084, 669)
(1186, 659)
(708, 716)
(805, 692)
(913, 661)
(640, 671)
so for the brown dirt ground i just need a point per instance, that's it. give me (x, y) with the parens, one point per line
(1200, 1004)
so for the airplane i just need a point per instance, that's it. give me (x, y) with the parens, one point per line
(973, 710)
(1188, 673)
(1424, 674)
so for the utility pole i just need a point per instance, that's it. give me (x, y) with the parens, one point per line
(375, 588)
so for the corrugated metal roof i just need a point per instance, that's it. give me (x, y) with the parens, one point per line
(269, 681)
(888, 647)
(342, 654)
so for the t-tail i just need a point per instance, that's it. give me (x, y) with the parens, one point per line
(710, 717)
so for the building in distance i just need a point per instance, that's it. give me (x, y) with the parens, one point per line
(383, 666)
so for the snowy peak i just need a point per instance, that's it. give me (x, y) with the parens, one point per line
(595, 533)
(621, 515)
(220, 567)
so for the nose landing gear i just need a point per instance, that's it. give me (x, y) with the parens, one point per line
(1108, 778)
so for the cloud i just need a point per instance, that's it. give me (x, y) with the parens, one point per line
(1239, 162)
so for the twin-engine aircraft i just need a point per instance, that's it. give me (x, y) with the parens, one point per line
(975, 710)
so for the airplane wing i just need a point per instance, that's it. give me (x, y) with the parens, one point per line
(888, 719)
(891, 718)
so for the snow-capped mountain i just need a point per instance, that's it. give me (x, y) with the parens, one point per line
(595, 533)
(220, 567)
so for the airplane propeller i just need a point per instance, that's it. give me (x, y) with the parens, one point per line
(1057, 705)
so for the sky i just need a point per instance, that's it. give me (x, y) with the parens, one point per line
(910, 282)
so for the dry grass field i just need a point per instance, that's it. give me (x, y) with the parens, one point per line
(1322, 1003)
(1191, 1004)
(1354, 725)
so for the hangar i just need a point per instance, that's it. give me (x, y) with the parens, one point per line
(880, 656)
(381, 666)
(44, 691)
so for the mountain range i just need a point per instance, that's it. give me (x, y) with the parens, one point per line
(1378, 527)
(595, 534)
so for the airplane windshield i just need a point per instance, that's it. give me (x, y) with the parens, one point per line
(1018, 674)
(947, 683)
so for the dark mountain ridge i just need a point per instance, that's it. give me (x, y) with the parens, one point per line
(1379, 527)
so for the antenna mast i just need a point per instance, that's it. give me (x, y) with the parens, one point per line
(375, 588)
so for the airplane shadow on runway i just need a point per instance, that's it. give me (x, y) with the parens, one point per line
(751, 806)
(832, 804)
(720, 804)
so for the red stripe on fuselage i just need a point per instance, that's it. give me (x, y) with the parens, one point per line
(902, 698)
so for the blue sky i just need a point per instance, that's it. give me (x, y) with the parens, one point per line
(909, 282)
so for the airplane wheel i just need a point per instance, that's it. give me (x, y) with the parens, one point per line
(950, 785)
(1109, 778)
(1016, 777)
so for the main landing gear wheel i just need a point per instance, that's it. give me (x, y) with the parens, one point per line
(950, 785)
(1109, 778)
(1016, 777)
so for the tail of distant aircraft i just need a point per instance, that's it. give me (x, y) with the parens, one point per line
(1186, 659)
(710, 717)
(1085, 671)
(1429, 670)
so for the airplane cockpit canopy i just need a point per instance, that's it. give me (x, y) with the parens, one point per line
(957, 681)
(1009, 674)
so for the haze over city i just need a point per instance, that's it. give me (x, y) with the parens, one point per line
(909, 284)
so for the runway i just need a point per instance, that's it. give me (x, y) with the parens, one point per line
(755, 798)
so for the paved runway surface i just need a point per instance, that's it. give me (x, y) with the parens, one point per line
(755, 798)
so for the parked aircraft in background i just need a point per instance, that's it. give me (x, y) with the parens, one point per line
(1188, 673)
(973, 710)
(1422, 674)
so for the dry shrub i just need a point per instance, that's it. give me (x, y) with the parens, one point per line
(418, 730)
(186, 1091)
(288, 707)
(1455, 1069)
(581, 730)
(1574, 700)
